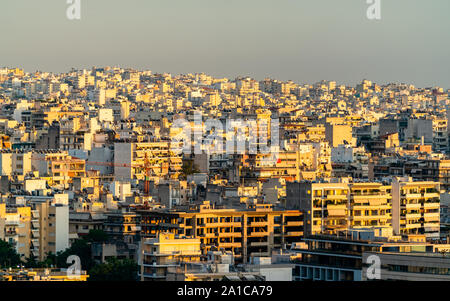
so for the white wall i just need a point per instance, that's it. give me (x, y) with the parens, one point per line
(62, 228)
(122, 155)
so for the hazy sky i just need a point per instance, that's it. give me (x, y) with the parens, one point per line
(301, 40)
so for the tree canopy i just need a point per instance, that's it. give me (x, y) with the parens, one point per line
(8, 255)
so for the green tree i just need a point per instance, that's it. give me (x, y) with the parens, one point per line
(8, 255)
(96, 236)
(114, 270)
(31, 262)
(82, 249)
(188, 168)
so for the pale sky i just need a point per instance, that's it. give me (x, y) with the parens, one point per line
(301, 40)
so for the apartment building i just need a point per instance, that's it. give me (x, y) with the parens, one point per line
(255, 231)
(337, 134)
(409, 207)
(35, 227)
(302, 161)
(436, 170)
(58, 167)
(432, 130)
(132, 158)
(15, 228)
(343, 257)
(15, 162)
(370, 205)
(164, 251)
(412, 266)
(416, 207)
(123, 226)
(49, 227)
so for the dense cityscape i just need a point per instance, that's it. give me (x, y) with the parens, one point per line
(112, 173)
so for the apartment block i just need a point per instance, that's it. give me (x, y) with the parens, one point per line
(416, 207)
(255, 231)
(15, 228)
(164, 251)
(412, 266)
(132, 159)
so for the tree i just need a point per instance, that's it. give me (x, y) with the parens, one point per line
(82, 249)
(31, 262)
(114, 270)
(8, 255)
(96, 236)
(189, 168)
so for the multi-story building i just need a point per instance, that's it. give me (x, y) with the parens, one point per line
(131, 160)
(58, 166)
(164, 251)
(325, 205)
(123, 226)
(255, 231)
(370, 205)
(343, 257)
(409, 207)
(409, 266)
(49, 227)
(415, 207)
(37, 228)
(15, 228)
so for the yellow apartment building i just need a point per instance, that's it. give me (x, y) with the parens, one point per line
(416, 207)
(164, 251)
(406, 206)
(130, 160)
(15, 228)
(255, 231)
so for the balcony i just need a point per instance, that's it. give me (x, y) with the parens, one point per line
(154, 276)
(175, 253)
(412, 226)
(433, 216)
(210, 235)
(155, 265)
(259, 234)
(430, 195)
(412, 195)
(259, 243)
(293, 223)
(413, 215)
(432, 226)
(431, 205)
(11, 233)
(336, 197)
(229, 245)
(294, 233)
(337, 210)
(12, 222)
(372, 196)
(230, 234)
(368, 217)
(258, 224)
(259, 254)
(413, 206)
